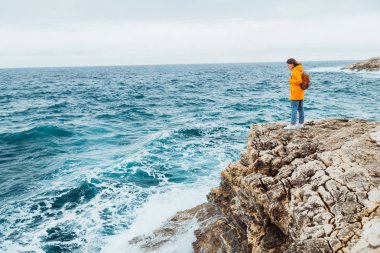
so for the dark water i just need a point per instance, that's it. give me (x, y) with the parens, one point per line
(83, 149)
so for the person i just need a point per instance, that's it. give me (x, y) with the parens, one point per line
(296, 94)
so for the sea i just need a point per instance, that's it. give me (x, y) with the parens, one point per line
(91, 157)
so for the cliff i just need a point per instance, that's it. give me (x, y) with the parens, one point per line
(314, 189)
(370, 65)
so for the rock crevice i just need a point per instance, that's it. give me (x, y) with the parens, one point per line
(305, 190)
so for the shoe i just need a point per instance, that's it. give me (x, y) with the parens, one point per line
(290, 127)
(299, 126)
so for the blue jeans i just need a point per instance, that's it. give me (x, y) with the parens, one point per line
(297, 105)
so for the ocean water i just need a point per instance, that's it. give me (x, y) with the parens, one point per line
(92, 156)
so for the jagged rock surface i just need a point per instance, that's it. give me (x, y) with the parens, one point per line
(315, 189)
(370, 65)
(306, 190)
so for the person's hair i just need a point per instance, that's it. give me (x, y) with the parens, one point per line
(292, 61)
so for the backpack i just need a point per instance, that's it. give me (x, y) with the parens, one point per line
(305, 81)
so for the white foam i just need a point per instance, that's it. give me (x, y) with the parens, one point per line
(158, 209)
(119, 202)
(181, 242)
(363, 73)
(327, 69)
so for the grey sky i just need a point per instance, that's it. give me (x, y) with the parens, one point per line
(116, 32)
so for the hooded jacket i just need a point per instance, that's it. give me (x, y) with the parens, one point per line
(296, 93)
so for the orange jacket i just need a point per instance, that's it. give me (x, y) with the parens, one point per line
(296, 93)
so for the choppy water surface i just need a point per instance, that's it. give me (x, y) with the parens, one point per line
(87, 153)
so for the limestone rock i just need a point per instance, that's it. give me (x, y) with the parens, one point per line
(315, 189)
(306, 190)
(370, 65)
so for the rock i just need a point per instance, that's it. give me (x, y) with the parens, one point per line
(370, 240)
(374, 195)
(375, 137)
(314, 189)
(370, 65)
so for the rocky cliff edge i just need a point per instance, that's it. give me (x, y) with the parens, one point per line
(315, 189)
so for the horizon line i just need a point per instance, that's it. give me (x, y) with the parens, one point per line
(162, 64)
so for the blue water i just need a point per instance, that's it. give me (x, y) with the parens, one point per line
(82, 149)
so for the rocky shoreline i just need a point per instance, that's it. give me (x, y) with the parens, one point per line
(369, 65)
(315, 189)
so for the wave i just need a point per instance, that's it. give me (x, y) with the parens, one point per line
(198, 131)
(75, 196)
(157, 210)
(327, 69)
(58, 106)
(35, 133)
(133, 114)
(339, 69)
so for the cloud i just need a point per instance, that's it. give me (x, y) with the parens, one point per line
(225, 36)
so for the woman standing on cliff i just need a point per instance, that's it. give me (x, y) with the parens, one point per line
(296, 94)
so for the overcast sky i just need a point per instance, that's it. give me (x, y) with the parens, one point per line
(37, 33)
